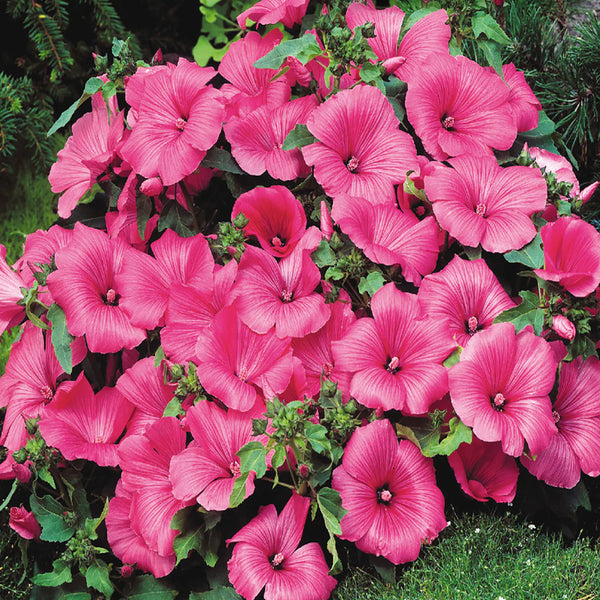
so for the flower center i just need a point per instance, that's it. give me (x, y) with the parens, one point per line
(243, 374)
(180, 123)
(447, 122)
(555, 416)
(111, 298)
(277, 242)
(352, 164)
(286, 296)
(498, 402)
(277, 560)
(235, 469)
(327, 369)
(47, 392)
(98, 440)
(472, 325)
(384, 496)
(393, 365)
(480, 209)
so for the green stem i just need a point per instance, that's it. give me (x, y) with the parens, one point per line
(190, 205)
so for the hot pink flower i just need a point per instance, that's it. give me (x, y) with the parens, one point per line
(267, 556)
(268, 12)
(576, 445)
(479, 202)
(388, 488)
(565, 328)
(178, 120)
(24, 523)
(395, 357)
(389, 236)
(360, 150)
(465, 295)
(484, 471)
(458, 107)
(405, 56)
(571, 255)
(522, 100)
(11, 313)
(500, 388)
(276, 217)
(280, 294)
(86, 288)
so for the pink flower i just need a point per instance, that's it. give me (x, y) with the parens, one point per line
(268, 12)
(360, 150)
(11, 313)
(85, 286)
(178, 120)
(500, 388)
(479, 202)
(576, 445)
(458, 107)
(388, 488)
(571, 255)
(396, 357)
(564, 327)
(483, 471)
(465, 295)
(24, 523)
(275, 216)
(522, 100)
(267, 556)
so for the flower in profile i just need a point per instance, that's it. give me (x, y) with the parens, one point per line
(458, 107)
(268, 12)
(576, 445)
(500, 388)
(522, 101)
(479, 202)
(571, 255)
(11, 283)
(466, 295)
(360, 150)
(483, 471)
(178, 120)
(395, 358)
(267, 556)
(24, 523)
(388, 488)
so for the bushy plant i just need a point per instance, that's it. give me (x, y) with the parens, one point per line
(350, 254)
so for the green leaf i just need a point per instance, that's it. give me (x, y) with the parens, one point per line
(144, 207)
(11, 493)
(43, 473)
(49, 514)
(304, 49)
(146, 587)
(371, 73)
(97, 577)
(159, 356)
(371, 283)
(217, 158)
(186, 542)
(484, 23)
(458, 434)
(174, 408)
(411, 19)
(278, 457)
(493, 54)
(220, 593)
(330, 505)
(336, 564)
(61, 573)
(453, 358)
(61, 338)
(238, 493)
(298, 137)
(398, 109)
(394, 87)
(177, 218)
(531, 255)
(527, 313)
(316, 436)
(253, 458)
(472, 253)
(564, 208)
(323, 256)
(118, 46)
(545, 127)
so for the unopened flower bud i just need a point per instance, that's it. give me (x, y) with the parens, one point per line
(563, 327)
(126, 571)
(326, 224)
(304, 471)
(151, 187)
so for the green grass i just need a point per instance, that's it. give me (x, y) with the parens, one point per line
(488, 557)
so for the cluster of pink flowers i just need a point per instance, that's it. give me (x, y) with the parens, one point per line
(266, 319)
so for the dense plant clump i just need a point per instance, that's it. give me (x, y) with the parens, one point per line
(302, 278)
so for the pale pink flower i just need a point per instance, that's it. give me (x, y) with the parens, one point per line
(267, 556)
(388, 488)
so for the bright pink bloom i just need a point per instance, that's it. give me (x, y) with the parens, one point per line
(479, 202)
(11, 313)
(571, 255)
(522, 100)
(429, 35)
(466, 296)
(565, 328)
(268, 12)
(85, 286)
(326, 223)
(256, 139)
(240, 367)
(395, 357)
(178, 120)
(24, 523)
(360, 150)
(87, 154)
(389, 236)
(280, 294)
(206, 470)
(82, 424)
(267, 556)
(458, 107)
(500, 388)
(250, 87)
(576, 445)
(483, 471)
(389, 490)
(276, 217)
